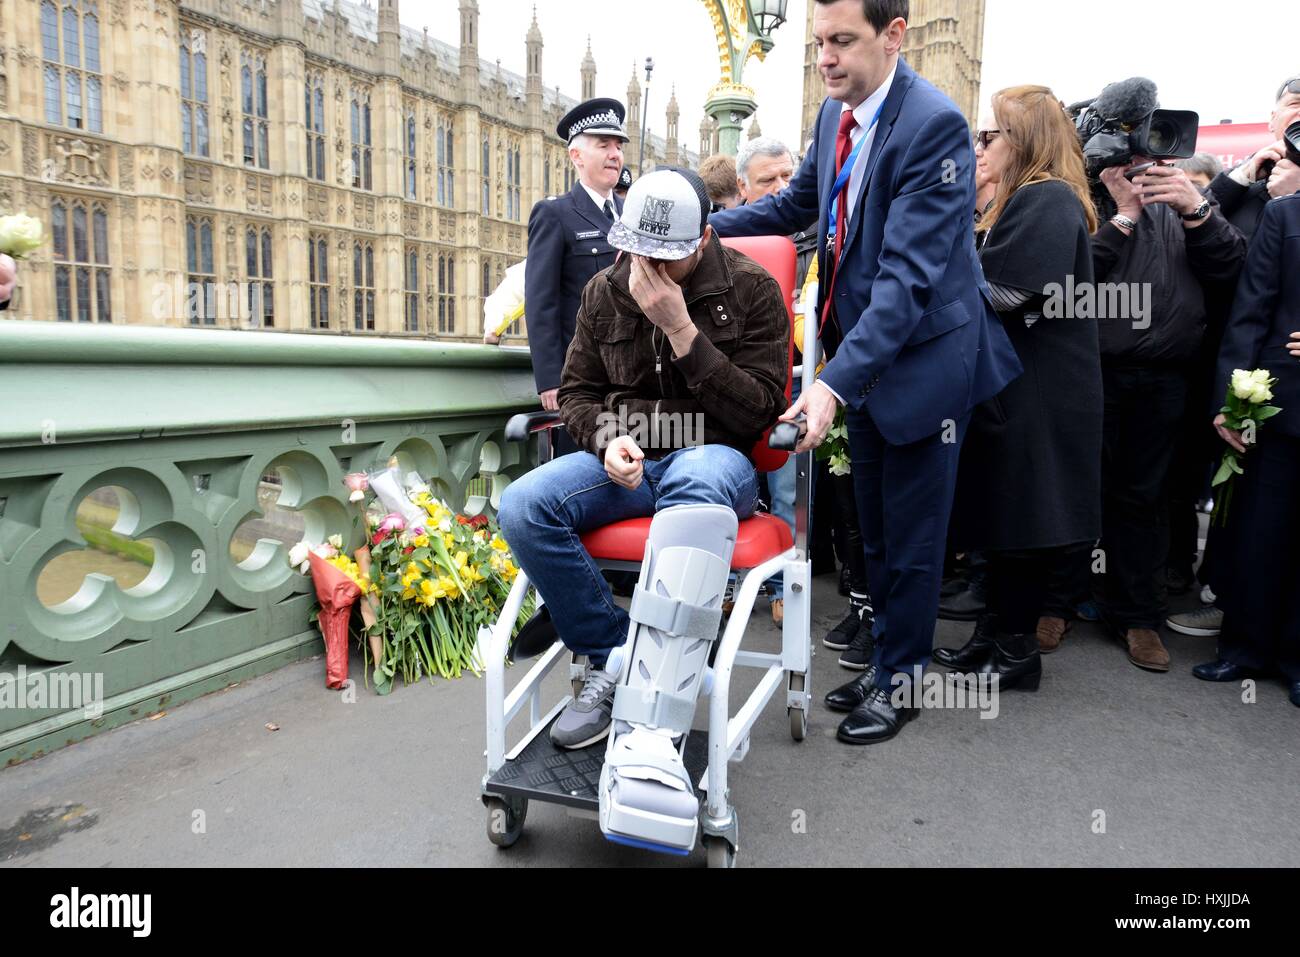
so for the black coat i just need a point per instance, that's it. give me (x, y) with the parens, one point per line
(566, 246)
(1031, 466)
(1267, 311)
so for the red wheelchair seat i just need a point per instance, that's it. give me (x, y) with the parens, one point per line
(758, 540)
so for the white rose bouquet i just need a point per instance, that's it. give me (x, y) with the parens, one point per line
(1245, 409)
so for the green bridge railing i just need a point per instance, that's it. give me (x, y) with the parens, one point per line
(152, 481)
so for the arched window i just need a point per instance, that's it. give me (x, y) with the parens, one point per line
(72, 72)
(447, 295)
(446, 164)
(361, 143)
(201, 303)
(318, 276)
(487, 177)
(410, 153)
(82, 281)
(194, 91)
(363, 281)
(412, 294)
(314, 100)
(513, 188)
(257, 265)
(253, 102)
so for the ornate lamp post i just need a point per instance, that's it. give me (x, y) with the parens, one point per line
(743, 29)
(645, 114)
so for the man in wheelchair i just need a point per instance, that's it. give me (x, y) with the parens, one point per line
(678, 366)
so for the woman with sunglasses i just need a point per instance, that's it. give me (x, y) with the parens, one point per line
(1030, 488)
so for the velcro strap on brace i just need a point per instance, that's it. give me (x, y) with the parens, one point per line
(644, 756)
(674, 617)
(659, 710)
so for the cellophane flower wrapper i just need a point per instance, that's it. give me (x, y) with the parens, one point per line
(337, 594)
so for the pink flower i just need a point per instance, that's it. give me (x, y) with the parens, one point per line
(392, 523)
(358, 485)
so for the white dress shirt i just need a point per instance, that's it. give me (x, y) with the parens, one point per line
(599, 200)
(863, 113)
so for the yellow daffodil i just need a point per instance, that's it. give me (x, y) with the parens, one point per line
(499, 544)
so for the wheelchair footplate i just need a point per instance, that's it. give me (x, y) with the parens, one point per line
(543, 772)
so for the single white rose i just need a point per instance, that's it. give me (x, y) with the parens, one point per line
(1243, 386)
(1261, 394)
(336, 541)
(19, 235)
(298, 554)
(839, 465)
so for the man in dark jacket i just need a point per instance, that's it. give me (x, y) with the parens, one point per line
(1242, 194)
(678, 365)
(1165, 244)
(1261, 622)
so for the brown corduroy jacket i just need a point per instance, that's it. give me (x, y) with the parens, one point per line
(620, 371)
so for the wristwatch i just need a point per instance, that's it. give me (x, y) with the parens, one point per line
(1200, 212)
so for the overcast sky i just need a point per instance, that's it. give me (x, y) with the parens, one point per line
(1192, 49)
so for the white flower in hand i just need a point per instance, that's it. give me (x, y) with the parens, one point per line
(19, 235)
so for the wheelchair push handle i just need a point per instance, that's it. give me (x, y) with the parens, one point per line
(519, 427)
(785, 436)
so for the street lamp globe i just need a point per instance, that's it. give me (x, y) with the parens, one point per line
(768, 14)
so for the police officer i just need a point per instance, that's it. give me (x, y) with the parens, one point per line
(566, 239)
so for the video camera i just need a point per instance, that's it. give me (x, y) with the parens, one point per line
(1124, 121)
(1292, 139)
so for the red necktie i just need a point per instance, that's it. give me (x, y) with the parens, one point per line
(843, 147)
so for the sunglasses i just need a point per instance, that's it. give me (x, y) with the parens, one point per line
(1290, 86)
(984, 137)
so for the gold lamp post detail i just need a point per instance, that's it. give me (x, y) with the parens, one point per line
(743, 29)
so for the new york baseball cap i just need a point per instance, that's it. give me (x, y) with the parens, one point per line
(664, 215)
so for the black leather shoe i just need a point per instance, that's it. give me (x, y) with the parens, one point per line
(975, 652)
(1295, 693)
(875, 720)
(1016, 662)
(952, 586)
(847, 697)
(1221, 670)
(966, 605)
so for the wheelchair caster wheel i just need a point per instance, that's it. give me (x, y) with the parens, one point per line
(798, 724)
(505, 820)
(720, 853)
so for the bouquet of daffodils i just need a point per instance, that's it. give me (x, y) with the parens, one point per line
(1245, 409)
(19, 235)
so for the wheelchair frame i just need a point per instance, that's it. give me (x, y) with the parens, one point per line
(728, 735)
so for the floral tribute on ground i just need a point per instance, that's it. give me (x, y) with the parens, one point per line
(425, 581)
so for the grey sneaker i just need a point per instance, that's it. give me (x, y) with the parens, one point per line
(1204, 622)
(587, 718)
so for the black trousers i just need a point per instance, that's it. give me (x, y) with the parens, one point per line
(1261, 585)
(1144, 409)
(1025, 585)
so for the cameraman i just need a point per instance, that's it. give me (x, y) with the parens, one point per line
(1169, 245)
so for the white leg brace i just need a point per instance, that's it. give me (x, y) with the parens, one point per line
(646, 794)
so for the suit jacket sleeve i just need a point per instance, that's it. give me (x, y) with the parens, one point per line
(793, 209)
(1257, 300)
(930, 208)
(542, 295)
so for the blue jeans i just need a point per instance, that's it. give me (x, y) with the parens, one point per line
(544, 513)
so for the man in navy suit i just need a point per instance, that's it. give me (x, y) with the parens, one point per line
(889, 181)
(1261, 607)
(567, 242)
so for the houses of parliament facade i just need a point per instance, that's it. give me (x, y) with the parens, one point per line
(295, 165)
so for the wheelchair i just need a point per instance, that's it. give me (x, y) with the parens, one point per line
(532, 769)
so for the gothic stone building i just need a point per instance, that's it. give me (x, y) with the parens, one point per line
(283, 164)
(944, 43)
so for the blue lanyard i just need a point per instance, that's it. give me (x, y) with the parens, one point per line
(842, 180)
